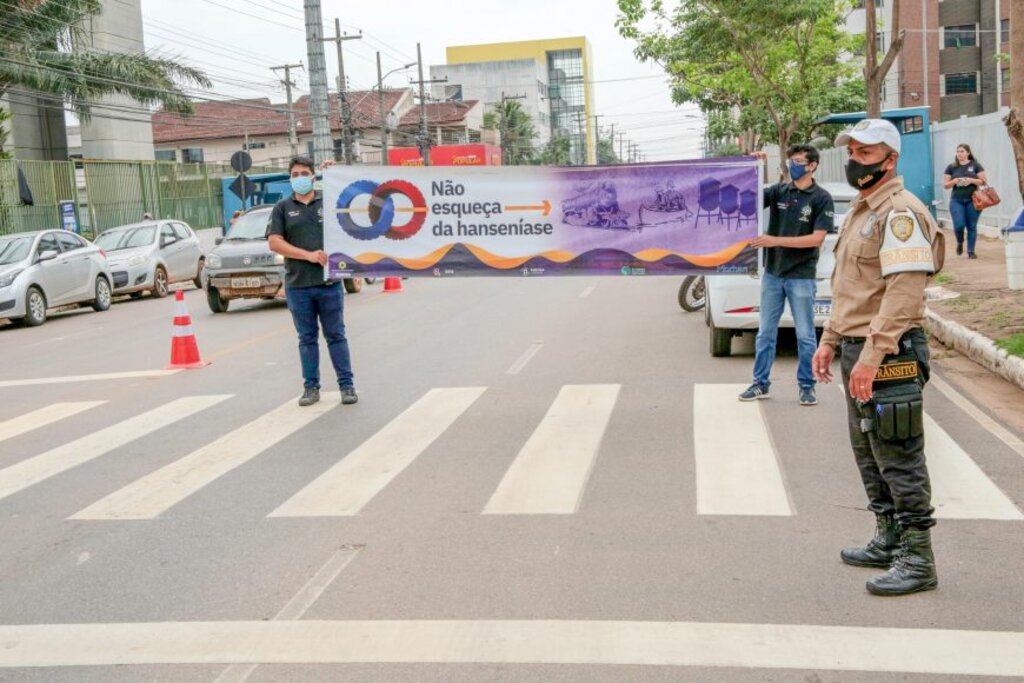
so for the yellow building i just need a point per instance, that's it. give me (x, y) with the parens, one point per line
(569, 99)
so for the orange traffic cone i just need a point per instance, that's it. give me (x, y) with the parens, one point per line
(392, 285)
(184, 350)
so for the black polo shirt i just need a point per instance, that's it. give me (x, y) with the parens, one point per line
(794, 213)
(302, 226)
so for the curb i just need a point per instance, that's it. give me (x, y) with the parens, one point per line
(975, 346)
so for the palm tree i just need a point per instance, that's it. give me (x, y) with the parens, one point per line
(517, 132)
(41, 49)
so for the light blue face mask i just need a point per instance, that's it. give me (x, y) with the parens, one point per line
(302, 184)
(796, 171)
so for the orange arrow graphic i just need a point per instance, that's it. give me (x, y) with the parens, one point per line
(544, 207)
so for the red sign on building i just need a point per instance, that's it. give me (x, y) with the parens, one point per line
(447, 155)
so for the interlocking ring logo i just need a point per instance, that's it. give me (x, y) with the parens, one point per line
(382, 210)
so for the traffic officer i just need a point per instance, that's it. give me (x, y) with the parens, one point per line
(887, 248)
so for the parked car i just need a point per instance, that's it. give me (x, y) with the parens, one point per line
(242, 266)
(47, 269)
(149, 256)
(733, 301)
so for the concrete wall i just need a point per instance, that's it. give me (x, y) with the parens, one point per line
(37, 131)
(120, 134)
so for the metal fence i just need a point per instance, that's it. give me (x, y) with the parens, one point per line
(111, 193)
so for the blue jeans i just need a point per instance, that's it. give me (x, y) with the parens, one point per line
(775, 291)
(964, 216)
(308, 304)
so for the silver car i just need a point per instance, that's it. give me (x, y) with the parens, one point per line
(50, 268)
(149, 256)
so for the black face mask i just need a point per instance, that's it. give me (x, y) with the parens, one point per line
(863, 176)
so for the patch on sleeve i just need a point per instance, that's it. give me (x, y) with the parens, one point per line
(905, 246)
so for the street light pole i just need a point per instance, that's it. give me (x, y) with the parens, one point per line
(344, 113)
(383, 114)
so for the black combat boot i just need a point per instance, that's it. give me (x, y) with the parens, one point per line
(880, 550)
(913, 569)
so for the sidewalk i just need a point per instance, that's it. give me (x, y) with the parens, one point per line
(985, 306)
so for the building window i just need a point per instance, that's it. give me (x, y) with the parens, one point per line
(915, 124)
(192, 155)
(255, 145)
(959, 84)
(474, 136)
(1004, 30)
(880, 43)
(965, 35)
(166, 155)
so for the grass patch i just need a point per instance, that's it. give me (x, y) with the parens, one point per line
(1013, 345)
(962, 304)
(1001, 319)
(944, 279)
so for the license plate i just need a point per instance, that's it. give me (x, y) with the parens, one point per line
(246, 283)
(822, 309)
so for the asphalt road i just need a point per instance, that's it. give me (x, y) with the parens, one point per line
(544, 479)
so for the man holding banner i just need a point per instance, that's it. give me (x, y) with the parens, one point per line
(800, 215)
(296, 231)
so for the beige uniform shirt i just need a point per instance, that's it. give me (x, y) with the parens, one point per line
(864, 303)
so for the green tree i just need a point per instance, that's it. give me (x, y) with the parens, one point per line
(606, 152)
(517, 132)
(772, 72)
(41, 48)
(557, 152)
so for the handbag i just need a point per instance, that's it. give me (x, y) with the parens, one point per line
(984, 197)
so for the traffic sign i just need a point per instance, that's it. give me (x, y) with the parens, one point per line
(241, 161)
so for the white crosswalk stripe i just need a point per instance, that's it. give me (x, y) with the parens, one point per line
(36, 469)
(738, 472)
(551, 471)
(347, 487)
(152, 495)
(960, 489)
(42, 417)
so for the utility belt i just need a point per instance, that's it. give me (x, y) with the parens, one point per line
(896, 406)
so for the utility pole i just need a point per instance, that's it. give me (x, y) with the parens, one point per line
(424, 141)
(345, 113)
(612, 139)
(507, 157)
(622, 137)
(383, 116)
(293, 140)
(597, 138)
(319, 108)
(582, 138)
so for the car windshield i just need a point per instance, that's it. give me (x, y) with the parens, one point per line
(841, 206)
(14, 249)
(113, 240)
(251, 226)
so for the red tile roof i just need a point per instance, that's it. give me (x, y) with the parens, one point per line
(235, 118)
(439, 113)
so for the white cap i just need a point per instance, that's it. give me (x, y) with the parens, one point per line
(872, 132)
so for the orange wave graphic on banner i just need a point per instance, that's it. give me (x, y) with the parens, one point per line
(558, 256)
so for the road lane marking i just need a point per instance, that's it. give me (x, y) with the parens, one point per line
(962, 402)
(588, 291)
(42, 417)
(952, 652)
(348, 486)
(525, 358)
(299, 605)
(53, 462)
(960, 489)
(154, 494)
(551, 471)
(67, 379)
(737, 471)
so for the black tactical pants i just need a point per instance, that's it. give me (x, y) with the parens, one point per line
(894, 472)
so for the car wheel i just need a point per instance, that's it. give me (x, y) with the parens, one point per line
(35, 307)
(217, 303)
(160, 289)
(369, 280)
(102, 300)
(721, 341)
(198, 281)
(353, 285)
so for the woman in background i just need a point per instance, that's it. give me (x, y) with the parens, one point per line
(965, 175)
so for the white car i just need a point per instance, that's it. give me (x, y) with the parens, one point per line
(47, 269)
(733, 301)
(151, 255)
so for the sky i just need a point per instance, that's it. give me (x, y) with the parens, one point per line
(237, 41)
